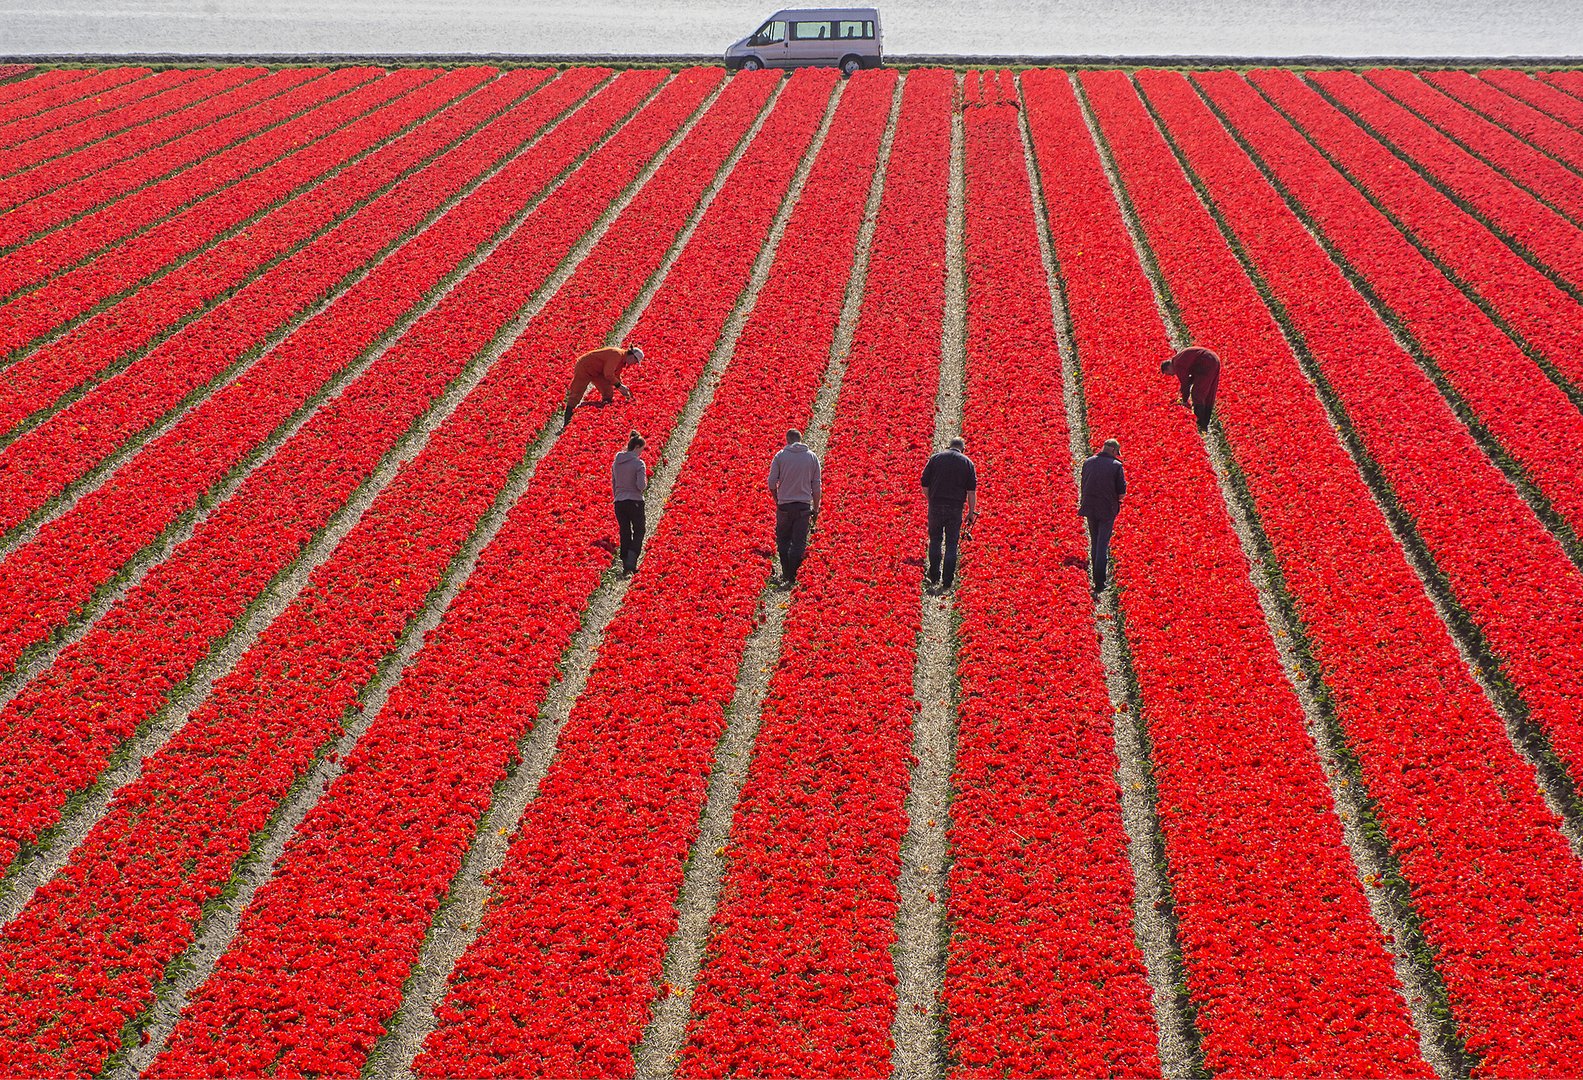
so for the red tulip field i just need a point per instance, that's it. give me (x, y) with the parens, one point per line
(333, 741)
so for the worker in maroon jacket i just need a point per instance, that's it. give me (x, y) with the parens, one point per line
(1198, 370)
(601, 369)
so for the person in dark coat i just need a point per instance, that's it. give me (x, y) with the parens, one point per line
(1104, 483)
(629, 479)
(952, 484)
(1198, 372)
(601, 369)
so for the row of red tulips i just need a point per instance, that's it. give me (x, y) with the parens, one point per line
(1545, 317)
(135, 888)
(1285, 968)
(570, 953)
(1509, 214)
(391, 833)
(1489, 872)
(53, 89)
(60, 131)
(1513, 399)
(144, 285)
(1546, 132)
(264, 526)
(44, 194)
(162, 290)
(1504, 569)
(12, 71)
(799, 976)
(1518, 161)
(1043, 973)
(23, 82)
(1284, 965)
(221, 431)
(1568, 81)
(1543, 236)
(105, 209)
(1538, 93)
(248, 87)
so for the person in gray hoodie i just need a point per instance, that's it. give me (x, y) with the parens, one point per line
(794, 484)
(629, 479)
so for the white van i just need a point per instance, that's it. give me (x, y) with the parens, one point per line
(847, 38)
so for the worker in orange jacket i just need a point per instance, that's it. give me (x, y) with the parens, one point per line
(600, 368)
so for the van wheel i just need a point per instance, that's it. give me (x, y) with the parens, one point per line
(752, 63)
(851, 65)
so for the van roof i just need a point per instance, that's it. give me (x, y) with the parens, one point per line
(824, 13)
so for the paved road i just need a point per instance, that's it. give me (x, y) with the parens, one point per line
(984, 27)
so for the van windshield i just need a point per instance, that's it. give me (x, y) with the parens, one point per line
(771, 33)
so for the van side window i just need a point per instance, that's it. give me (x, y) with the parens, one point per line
(851, 28)
(810, 31)
(771, 33)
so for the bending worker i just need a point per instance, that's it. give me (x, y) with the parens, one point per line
(1104, 483)
(629, 479)
(600, 368)
(1198, 371)
(951, 481)
(794, 484)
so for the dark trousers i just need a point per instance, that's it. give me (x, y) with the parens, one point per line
(1099, 530)
(945, 530)
(791, 535)
(1202, 413)
(629, 518)
(579, 387)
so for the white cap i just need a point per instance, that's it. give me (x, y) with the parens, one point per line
(637, 353)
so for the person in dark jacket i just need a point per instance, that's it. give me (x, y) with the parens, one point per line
(794, 484)
(952, 484)
(1104, 483)
(601, 369)
(1198, 372)
(629, 479)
